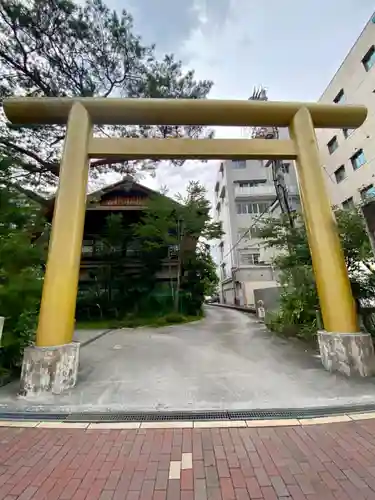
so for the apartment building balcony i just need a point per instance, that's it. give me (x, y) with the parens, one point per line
(256, 191)
(261, 190)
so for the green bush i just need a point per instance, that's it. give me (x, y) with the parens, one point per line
(16, 338)
(280, 323)
(299, 309)
(175, 318)
(21, 261)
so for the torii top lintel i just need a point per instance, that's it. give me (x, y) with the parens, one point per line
(209, 112)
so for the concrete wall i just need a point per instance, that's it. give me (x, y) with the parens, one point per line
(256, 274)
(227, 293)
(359, 88)
(253, 287)
(269, 297)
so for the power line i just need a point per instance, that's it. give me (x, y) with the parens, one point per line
(249, 229)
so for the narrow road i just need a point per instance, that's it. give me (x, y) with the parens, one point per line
(226, 361)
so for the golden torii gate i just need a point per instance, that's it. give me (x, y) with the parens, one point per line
(56, 320)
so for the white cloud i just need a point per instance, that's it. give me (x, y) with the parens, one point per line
(292, 48)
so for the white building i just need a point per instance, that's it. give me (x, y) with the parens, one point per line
(348, 157)
(244, 193)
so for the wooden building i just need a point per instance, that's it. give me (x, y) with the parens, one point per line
(130, 199)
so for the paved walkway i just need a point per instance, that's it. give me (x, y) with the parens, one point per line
(311, 462)
(226, 361)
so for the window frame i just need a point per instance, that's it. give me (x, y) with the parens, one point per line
(224, 273)
(340, 97)
(348, 204)
(238, 164)
(221, 250)
(285, 168)
(88, 248)
(365, 192)
(255, 258)
(368, 60)
(340, 169)
(257, 207)
(332, 145)
(347, 132)
(355, 156)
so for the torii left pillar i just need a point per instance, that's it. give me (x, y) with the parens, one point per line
(51, 366)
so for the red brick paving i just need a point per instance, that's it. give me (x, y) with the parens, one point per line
(325, 462)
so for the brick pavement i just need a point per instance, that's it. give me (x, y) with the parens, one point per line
(325, 462)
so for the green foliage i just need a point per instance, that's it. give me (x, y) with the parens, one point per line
(21, 262)
(184, 227)
(81, 49)
(200, 278)
(299, 311)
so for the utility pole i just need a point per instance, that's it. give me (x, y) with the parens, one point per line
(260, 94)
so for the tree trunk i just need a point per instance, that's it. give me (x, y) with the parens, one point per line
(178, 284)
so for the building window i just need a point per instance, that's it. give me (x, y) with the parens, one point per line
(241, 208)
(340, 97)
(221, 246)
(348, 203)
(223, 271)
(99, 247)
(237, 164)
(249, 258)
(252, 208)
(285, 168)
(347, 132)
(88, 248)
(332, 145)
(251, 183)
(340, 174)
(221, 169)
(369, 60)
(358, 159)
(368, 192)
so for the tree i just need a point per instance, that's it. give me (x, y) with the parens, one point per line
(299, 301)
(58, 48)
(200, 278)
(21, 273)
(185, 227)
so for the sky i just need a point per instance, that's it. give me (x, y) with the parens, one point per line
(293, 48)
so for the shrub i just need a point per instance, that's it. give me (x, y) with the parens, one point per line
(299, 309)
(174, 318)
(20, 276)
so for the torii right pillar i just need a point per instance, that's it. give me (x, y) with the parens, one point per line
(343, 347)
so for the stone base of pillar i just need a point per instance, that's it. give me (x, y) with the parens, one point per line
(349, 353)
(49, 370)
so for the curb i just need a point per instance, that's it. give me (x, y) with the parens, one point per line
(208, 424)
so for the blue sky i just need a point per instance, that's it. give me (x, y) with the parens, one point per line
(291, 47)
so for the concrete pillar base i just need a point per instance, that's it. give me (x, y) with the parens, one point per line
(49, 370)
(348, 353)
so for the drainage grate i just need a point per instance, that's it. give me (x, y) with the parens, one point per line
(30, 415)
(299, 413)
(148, 416)
(158, 416)
(261, 415)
